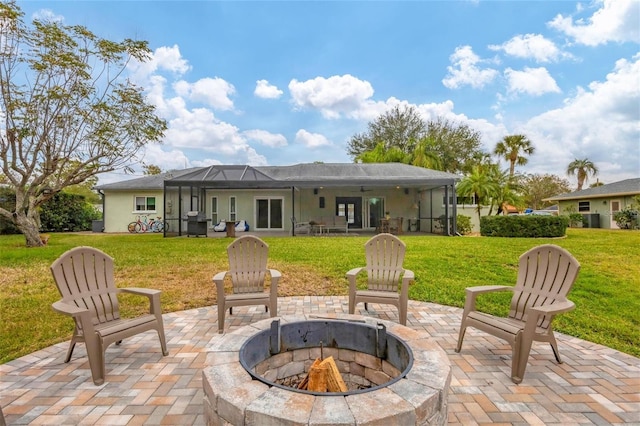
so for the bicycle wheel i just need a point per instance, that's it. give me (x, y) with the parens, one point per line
(132, 227)
(158, 226)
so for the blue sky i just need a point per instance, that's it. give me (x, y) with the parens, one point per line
(278, 83)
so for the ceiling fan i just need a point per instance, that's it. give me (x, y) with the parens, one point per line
(364, 190)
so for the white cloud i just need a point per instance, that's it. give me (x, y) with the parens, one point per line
(267, 91)
(162, 59)
(266, 138)
(616, 21)
(465, 71)
(532, 46)
(531, 81)
(47, 15)
(601, 123)
(333, 97)
(311, 140)
(214, 92)
(198, 128)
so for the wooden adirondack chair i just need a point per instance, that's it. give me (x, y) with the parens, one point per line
(85, 280)
(385, 275)
(545, 276)
(247, 269)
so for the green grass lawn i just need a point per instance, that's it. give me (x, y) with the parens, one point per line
(607, 292)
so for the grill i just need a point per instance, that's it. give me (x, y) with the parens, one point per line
(196, 224)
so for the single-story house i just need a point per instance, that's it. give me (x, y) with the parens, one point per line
(268, 198)
(600, 203)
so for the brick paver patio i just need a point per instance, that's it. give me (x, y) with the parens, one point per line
(595, 385)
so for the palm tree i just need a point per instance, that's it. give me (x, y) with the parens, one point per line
(424, 155)
(511, 149)
(480, 183)
(582, 168)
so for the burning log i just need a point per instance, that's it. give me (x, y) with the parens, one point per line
(323, 376)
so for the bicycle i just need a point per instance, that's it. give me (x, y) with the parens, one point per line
(141, 225)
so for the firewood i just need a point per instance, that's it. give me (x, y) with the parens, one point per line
(335, 383)
(305, 382)
(318, 378)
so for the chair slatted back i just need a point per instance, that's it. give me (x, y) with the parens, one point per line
(248, 264)
(84, 277)
(545, 275)
(385, 256)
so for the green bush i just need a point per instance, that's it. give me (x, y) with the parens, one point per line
(463, 224)
(67, 212)
(7, 202)
(576, 220)
(528, 226)
(626, 219)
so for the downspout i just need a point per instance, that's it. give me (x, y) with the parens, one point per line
(293, 210)
(104, 211)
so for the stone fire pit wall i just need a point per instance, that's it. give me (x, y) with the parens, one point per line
(417, 395)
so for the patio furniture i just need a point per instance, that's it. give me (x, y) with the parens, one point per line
(385, 276)
(85, 280)
(247, 271)
(545, 276)
(300, 227)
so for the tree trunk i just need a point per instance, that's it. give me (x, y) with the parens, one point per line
(29, 227)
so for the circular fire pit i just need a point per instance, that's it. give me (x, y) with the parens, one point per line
(394, 374)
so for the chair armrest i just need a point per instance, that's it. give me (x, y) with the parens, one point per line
(554, 309)
(351, 276)
(472, 292)
(152, 294)
(67, 309)
(275, 277)
(148, 292)
(219, 280)
(355, 271)
(81, 315)
(407, 277)
(487, 289)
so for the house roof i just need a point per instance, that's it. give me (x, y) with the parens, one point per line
(615, 189)
(299, 175)
(145, 182)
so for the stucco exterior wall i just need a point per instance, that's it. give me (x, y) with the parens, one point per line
(600, 206)
(119, 209)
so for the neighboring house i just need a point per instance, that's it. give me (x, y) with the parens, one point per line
(600, 203)
(268, 197)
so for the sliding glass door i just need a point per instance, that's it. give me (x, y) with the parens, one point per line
(269, 213)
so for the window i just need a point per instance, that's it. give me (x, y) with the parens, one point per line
(232, 209)
(584, 206)
(145, 204)
(214, 210)
(466, 201)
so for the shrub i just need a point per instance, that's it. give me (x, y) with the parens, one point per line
(576, 220)
(67, 212)
(529, 226)
(626, 218)
(463, 224)
(7, 202)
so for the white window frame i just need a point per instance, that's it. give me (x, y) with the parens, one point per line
(146, 204)
(269, 198)
(233, 208)
(214, 210)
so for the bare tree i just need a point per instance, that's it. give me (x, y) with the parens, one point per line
(67, 113)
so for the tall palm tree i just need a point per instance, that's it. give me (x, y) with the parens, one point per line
(479, 183)
(582, 168)
(424, 155)
(512, 148)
